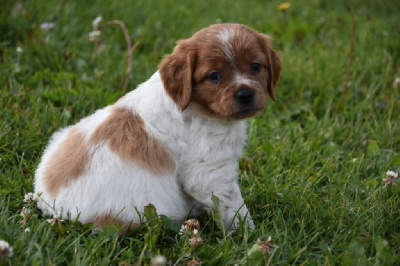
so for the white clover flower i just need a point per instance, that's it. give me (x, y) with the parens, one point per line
(19, 50)
(31, 198)
(184, 230)
(5, 249)
(27, 230)
(25, 213)
(47, 25)
(392, 174)
(94, 36)
(391, 178)
(96, 22)
(56, 218)
(158, 260)
(265, 246)
(192, 224)
(195, 241)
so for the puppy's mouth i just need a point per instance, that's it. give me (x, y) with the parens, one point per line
(247, 112)
(238, 113)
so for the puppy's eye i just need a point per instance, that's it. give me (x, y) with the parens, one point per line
(256, 67)
(215, 76)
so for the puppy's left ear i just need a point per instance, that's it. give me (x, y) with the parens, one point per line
(274, 66)
(176, 72)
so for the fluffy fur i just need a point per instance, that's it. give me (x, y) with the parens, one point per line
(173, 141)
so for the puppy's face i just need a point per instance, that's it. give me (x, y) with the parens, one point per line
(225, 70)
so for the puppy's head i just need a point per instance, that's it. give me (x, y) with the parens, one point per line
(225, 70)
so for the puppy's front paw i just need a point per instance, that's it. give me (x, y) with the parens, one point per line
(250, 223)
(236, 222)
(234, 218)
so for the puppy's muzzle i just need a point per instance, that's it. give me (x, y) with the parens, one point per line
(247, 103)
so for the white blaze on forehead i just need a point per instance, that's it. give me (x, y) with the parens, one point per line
(224, 36)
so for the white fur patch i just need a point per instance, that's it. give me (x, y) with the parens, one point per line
(224, 36)
(242, 80)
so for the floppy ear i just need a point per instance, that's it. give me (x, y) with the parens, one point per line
(176, 72)
(274, 66)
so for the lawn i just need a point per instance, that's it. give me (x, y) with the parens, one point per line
(312, 174)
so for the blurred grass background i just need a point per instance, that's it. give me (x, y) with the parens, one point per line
(311, 175)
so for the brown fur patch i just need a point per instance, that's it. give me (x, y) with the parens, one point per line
(125, 134)
(104, 220)
(68, 163)
(274, 66)
(176, 72)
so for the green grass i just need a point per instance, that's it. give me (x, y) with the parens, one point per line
(311, 174)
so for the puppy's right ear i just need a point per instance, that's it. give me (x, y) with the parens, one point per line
(176, 72)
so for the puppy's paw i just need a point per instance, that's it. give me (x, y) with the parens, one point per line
(236, 223)
(250, 223)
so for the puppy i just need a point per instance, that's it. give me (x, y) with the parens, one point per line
(173, 141)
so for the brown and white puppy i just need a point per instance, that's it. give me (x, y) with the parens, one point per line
(173, 141)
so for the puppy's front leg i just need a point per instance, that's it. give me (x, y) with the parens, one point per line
(226, 188)
(232, 207)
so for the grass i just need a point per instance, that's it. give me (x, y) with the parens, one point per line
(311, 174)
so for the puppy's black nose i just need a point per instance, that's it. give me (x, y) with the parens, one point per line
(244, 96)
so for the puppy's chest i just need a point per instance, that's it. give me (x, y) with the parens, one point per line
(215, 139)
